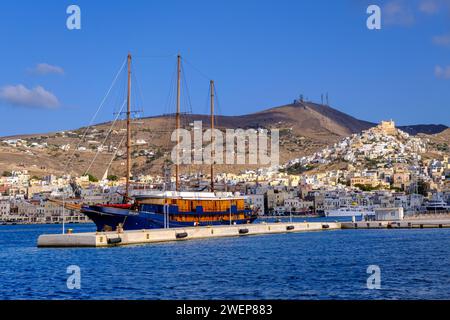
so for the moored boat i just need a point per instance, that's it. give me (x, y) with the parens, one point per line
(349, 212)
(437, 205)
(168, 209)
(172, 209)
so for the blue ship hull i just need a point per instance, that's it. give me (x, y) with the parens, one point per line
(109, 218)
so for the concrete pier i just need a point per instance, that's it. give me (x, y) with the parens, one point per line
(111, 239)
(403, 224)
(108, 239)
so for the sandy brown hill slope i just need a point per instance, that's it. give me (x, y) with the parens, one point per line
(304, 129)
(443, 136)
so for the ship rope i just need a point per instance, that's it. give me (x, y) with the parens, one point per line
(138, 97)
(187, 96)
(170, 101)
(95, 115)
(106, 137)
(187, 104)
(197, 69)
(207, 101)
(115, 153)
(85, 133)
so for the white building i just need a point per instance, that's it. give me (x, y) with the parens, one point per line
(298, 205)
(257, 201)
(4, 209)
(389, 214)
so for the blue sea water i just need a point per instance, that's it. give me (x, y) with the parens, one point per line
(415, 264)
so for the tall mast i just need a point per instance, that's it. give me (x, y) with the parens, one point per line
(211, 83)
(127, 187)
(177, 166)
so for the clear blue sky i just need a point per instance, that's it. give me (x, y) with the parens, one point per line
(260, 53)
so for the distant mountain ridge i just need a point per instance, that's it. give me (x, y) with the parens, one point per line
(305, 128)
(424, 128)
(354, 125)
(307, 118)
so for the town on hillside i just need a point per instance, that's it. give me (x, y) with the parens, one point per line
(381, 167)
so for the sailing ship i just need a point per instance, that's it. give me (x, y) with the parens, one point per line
(168, 209)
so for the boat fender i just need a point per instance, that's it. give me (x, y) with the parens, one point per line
(325, 226)
(243, 231)
(114, 240)
(289, 228)
(181, 235)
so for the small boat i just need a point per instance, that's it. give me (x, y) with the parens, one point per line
(349, 212)
(437, 205)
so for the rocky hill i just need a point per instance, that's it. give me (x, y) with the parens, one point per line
(305, 128)
(382, 146)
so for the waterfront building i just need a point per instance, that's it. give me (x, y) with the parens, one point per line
(4, 210)
(389, 214)
(257, 201)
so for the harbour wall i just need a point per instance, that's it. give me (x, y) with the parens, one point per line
(106, 239)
